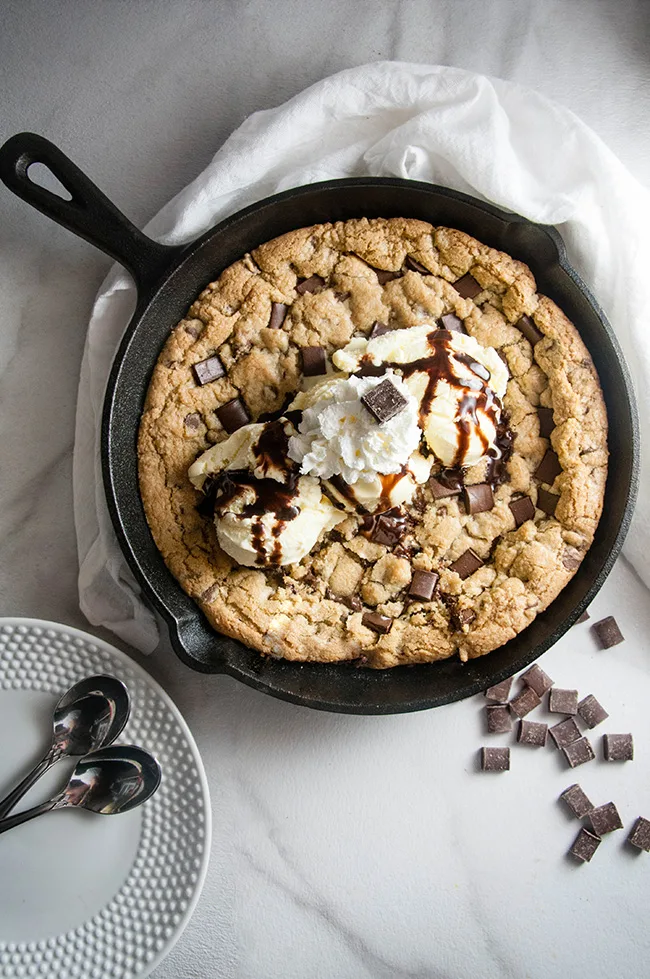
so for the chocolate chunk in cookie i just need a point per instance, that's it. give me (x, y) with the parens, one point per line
(314, 361)
(478, 498)
(385, 528)
(546, 501)
(415, 266)
(527, 328)
(233, 415)
(423, 584)
(467, 286)
(466, 564)
(546, 423)
(313, 284)
(378, 623)
(278, 315)
(448, 482)
(192, 421)
(548, 468)
(208, 370)
(385, 275)
(384, 401)
(378, 329)
(452, 323)
(522, 510)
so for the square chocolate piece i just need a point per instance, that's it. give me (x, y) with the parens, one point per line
(640, 835)
(522, 510)
(466, 564)
(451, 322)
(499, 719)
(423, 584)
(208, 370)
(605, 819)
(526, 701)
(495, 759)
(416, 266)
(577, 801)
(618, 747)
(385, 275)
(378, 329)
(585, 845)
(591, 712)
(547, 502)
(578, 752)
(278, 314)
(546, 423)
(527, 328)
(478, 498)
(565, 733)
(500, 692)
(532, 733)
(313, 284)
(233, 415)
(563, 701)
(537, 679)
(378, 623)
(314, 361)
(467, 286)
(608, 632)
(548, 468)
(445, 485)
(384, 401)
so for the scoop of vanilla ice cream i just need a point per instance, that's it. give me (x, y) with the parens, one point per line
(236, 452)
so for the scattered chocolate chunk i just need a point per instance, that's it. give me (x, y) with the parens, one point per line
(532, 733)
(194, 329)
(565, 733)
(378, 623)
(414, 266)
(563, 701)
(524, 702)
(451, 322)
(604, 819)
(423, 584)
(537, 679)
(385, 528)
(591, 712)
(378, 329)
(449, 482)
(618, 747)
(313, 284)
(384, 401)
(467, 286)
(547, 501)
(578, 752)
(314, 361)
(608, 632)
(500, 692)
(640, 834)
(466, 564)
(208, 370)
(546, 423)
(571, 558)
(341, 296)
(385, 275)
(522, 510)
(278, 314)
(495, 759)
(462, 616)
(233, 415)
(527, 327)
(499, 719)
(368, 369)
(577, 801)
(548, 468)
(353, 602)
(585, 845)
(193, 421)
(583, 618)
(478, 498)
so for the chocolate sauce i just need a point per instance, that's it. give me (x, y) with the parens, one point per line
(496, 472)
(272, 448)
(473, 365)
(346, 491)
(272, 416)
(270, 497)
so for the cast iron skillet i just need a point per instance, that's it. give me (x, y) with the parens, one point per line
(169, 278)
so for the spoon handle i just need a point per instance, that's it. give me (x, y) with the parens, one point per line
(23, 817)
(10, 801)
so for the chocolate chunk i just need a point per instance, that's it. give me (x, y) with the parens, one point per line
(605, 819)
(462, 616)
(466, 564)
(378, 329)
(384, 401)
(524, 702)
(193, 421)
(546, 423)
(313, 284)
(314, 361)
(583, 618)
(608, 632)
(618, 747)
(522, 510)
(578, 752)
(446, 483)
(499, 719)
(208, 370)
(451, 322)
(278, 314)
(194, 329)
(414, 266)
(467, 286)
(548, 468)
(591, 712)
(341, 296)
(526, 326)
(571, 559)
(500, 692)
(384, 275)
(378, 623)
(585, 845)
(532, 733)
(353, 602)
(537, 679)
(547, 501)
(640, 835)
(495, 759)
(478, 498)
(563, 701)
(423, 584)
(386, 528)
(565, 733)
(233, 415)
(577, 801)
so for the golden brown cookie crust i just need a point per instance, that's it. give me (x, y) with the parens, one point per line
(309, 611)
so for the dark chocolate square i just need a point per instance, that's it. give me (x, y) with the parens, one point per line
(208, 370)
(314, 361)
(585, 845)
(500, 692)
(313, 284)
(548, 468)
(536, 678)
(467, 286)
(278, 314)
(385, 275)
(640, 834)
(577, 801)
(546, 501)
(522, 510)
(384, 401)
(499, 719)
(233, 415)
(478, 498)
(532, 733)
(423, 584)
(608, 632)
(378, 329)
(565, 732)
(466, 564)
(563, 701)
(605, 819)
(495, 759)
(591, 711)
(378, 623)
(546, 423)
(618, 747)
(578, 752)
(416, 266)
(524, 702)
(526, 326)
(451, 322)
(449, 482)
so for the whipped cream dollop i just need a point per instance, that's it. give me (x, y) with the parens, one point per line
(264, 511)
(456, 382)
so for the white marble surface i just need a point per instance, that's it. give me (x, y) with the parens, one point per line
(343, 847)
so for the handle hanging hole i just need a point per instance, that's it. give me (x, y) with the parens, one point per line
(41, 175)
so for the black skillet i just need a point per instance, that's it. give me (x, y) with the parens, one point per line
(169, 278)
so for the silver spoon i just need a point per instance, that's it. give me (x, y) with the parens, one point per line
(110, 781)
(89, 716)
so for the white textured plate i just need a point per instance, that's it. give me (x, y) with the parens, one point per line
(83, 895)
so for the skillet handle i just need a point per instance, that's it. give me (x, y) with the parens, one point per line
(88, 214)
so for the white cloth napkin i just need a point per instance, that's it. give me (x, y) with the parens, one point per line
(484, 136)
